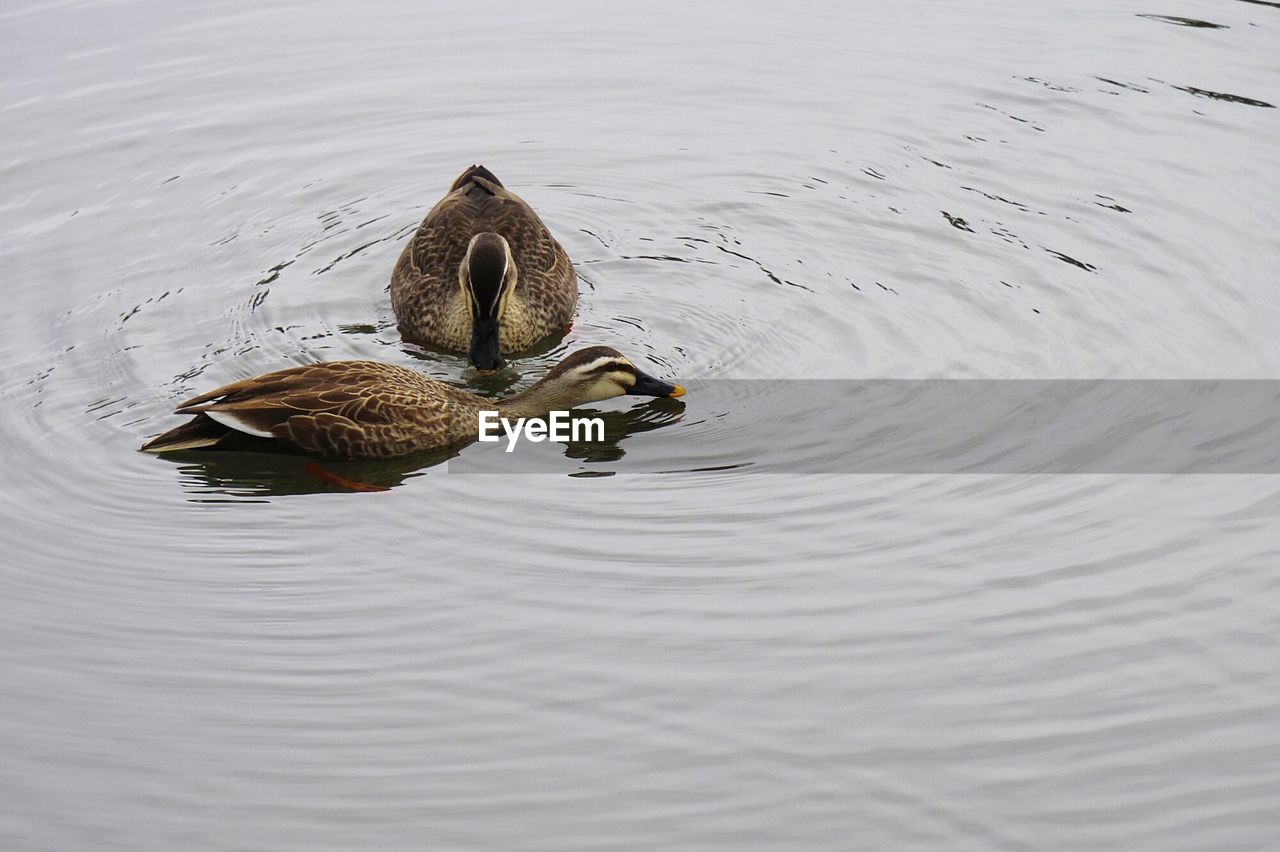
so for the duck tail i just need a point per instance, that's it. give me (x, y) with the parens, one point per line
(197, 433)
(471, 174)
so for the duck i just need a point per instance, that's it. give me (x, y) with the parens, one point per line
(482, 274)
(375, 410)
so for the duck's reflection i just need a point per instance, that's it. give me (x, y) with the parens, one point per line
(620, 425)
(208, 476)
(212, 476)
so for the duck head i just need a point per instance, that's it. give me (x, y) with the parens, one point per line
(598, 372)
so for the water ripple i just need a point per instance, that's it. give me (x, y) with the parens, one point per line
(230, 653)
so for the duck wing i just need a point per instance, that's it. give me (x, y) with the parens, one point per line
(339, 409)
(475, 202)
(478, 202)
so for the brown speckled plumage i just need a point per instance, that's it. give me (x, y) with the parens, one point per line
(338, 409)
(370, 410)
(425, 292)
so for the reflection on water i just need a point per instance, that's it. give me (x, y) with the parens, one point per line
(1184, 22)
(620, 425)
(240, 651)
(263, 475)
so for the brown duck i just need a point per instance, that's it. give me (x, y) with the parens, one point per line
(370, 410)
(482, 274)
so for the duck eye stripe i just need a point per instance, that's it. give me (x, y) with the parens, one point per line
(611, 367)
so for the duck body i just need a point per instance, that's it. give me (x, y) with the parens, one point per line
(431, 291)
(371, 410)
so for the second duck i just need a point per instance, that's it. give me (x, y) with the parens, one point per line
(482, 274)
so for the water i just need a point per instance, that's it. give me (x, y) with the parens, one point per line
(230, 653)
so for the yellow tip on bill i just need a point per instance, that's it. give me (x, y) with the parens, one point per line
(679, 391)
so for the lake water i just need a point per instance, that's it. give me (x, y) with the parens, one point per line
(619, 650)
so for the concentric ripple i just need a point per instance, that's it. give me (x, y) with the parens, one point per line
(647, 646)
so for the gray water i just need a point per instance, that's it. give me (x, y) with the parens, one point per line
(231, 653)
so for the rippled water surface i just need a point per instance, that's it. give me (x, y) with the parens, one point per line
(227, 652)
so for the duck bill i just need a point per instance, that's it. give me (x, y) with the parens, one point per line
(647, 385)
(484, 344)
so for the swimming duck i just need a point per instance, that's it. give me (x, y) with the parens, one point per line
(369, 410)
(482, 274)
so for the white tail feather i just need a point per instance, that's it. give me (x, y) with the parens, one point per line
(232, 421)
